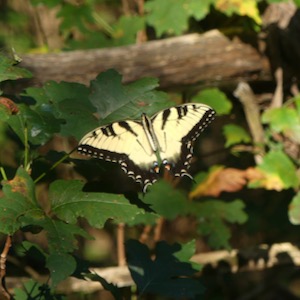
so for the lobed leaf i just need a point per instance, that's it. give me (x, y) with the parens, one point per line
(285, 120)
(165, 275)
(8, 70)
(169, 17)
(18, 206)
(212, 214)
(278, 172)
(68, 202)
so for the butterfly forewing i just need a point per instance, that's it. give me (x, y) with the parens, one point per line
(176, 129)
(125, 143)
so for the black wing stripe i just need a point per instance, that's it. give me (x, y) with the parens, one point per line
(165, 117)
(126, 125)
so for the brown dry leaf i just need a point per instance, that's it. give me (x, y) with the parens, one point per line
(10, 105)
(222, 180)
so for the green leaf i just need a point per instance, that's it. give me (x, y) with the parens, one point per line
(69, 202)
(214, 98)
(218, 234)
(81, 13)
(18, 206)
(285, 120)
(294, 210)
(144, 218)
(73, 111)
(61, 266)
(63, 105)
(186, 252)
(232, 212)
(10, 72)
(297, 2)
(167, 201)
(126, 28)
(165, 275)
(235, 134)
(198, 9)
(244, 8)
(213, 213)
(108, 93)
(276, 165)
(38, 125)
(35, 290)
(116, 102)
(169, 17)
(61, 240)
(61, 235)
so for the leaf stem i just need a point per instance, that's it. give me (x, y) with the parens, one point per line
(54, 166)
(3, 173)
(26, 144)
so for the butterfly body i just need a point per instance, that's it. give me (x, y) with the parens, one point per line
(141, 147)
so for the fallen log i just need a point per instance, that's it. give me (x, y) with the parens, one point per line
(208, 58)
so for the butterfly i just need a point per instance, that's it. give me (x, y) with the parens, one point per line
(142, 147)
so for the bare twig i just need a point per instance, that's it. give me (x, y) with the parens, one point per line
(4, 292)
(158, 229)
(145, 234)
(121, 245)
(246, 96)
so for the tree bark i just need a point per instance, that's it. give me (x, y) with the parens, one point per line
(191, 59)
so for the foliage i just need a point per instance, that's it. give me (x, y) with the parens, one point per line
(166, 274)
(43, 113)
(94, 24)
(55, 109)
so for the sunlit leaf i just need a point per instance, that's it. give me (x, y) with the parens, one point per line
(214, 98)
(244, 8)
(126, 28)
(294, 210)
(278, 172)
(198, 9)
(218, 180)
(167, 16)
(285, 120)
(235, 134)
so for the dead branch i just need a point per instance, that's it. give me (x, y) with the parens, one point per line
(208, 58)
